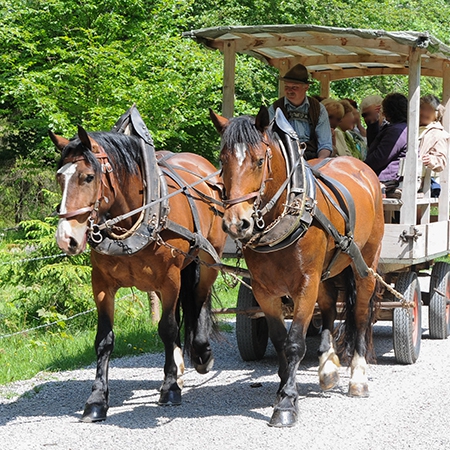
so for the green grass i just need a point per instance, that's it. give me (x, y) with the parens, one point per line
(53, 290)
(23, 356)
(70, 346)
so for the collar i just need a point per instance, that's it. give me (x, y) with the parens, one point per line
(289, 105)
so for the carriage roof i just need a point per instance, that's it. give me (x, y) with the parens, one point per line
(338, 53)
(328, 52)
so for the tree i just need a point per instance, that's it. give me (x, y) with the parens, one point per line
(66, 62)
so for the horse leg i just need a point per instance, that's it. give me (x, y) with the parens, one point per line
(201, 352)
(285, 412)
(358, 386)
(96, 405)
(168, 329)
(328, 359)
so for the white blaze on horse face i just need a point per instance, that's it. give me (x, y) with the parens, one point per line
(240, 150)
(67, 172)
(69, 232)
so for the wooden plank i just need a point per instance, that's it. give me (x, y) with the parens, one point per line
(408, 212)
(437, 237)
(395, 248)
(444, 176)
(246, 42)
(229, 66)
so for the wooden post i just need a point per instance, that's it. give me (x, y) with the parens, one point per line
(444, 176)
(155, 306)
(408, 212)
(229, 65)
(325, 86)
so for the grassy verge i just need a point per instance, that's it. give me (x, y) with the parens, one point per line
(71, 346)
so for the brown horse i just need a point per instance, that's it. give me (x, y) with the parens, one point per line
(90, 194)
(254, 169)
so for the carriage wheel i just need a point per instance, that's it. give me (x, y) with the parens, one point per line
(439, 311)
(407, 323)
(252, 334)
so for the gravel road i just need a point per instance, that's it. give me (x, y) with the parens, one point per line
(229, 408)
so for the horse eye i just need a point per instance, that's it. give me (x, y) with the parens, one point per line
(89, 178)
(260, 162)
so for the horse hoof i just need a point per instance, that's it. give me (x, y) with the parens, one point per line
(94, 413)
(205, 367)
(329, 381)
(358, 390)
(170, 398)
(283, 418)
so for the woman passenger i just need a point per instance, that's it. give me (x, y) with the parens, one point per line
(389, 146)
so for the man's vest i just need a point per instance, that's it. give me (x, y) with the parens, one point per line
(313, 119)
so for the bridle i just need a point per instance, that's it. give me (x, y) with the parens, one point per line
(257, 195)
(106, 169)
(259, 213)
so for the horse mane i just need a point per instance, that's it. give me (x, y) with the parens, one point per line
(242, 130)
(124, 152)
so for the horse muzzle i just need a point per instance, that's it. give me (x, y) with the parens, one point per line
(238, 228)
(71, 237)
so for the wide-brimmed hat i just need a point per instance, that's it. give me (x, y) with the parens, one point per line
(298, 74)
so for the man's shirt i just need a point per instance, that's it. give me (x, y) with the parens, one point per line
(299, 120)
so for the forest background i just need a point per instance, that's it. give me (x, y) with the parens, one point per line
(67, 62)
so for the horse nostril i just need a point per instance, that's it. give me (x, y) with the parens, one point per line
(73, 243)
(245, 224)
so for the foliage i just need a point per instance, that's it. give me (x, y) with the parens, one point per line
(66, 63)
(39, 285)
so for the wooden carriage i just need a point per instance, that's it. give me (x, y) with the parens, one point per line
(422, 234)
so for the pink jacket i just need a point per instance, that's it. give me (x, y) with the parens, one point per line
(435, 141)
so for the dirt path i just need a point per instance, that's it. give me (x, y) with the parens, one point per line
(409, 406)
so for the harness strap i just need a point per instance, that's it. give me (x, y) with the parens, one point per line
(175, 177)
(341, 193)
(198, 240)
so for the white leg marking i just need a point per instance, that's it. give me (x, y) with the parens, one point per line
(359, 369)
(179, 362)
(329, 367)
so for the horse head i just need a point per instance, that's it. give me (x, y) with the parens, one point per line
(80, 178)
(246, 157)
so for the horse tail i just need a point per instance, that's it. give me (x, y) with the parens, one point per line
(348, 332)
(198, 318)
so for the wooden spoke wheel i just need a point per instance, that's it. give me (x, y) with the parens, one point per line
(252, 335)
(407, 322)
(439, 310)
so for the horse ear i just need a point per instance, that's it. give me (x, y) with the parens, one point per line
(219, 122)
(262, 119)
(87, 141)
(59, 141)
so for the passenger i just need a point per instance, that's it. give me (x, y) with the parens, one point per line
(358, 125)
(344, 141)
(307, 116)
(433, 139)
(389, 146)
(335, 113)
(358, 132)
(370, 112)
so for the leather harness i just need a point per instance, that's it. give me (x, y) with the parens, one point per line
(154, 214)
(303, 182)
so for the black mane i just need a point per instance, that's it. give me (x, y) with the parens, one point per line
(123, 152)
(241, 130)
